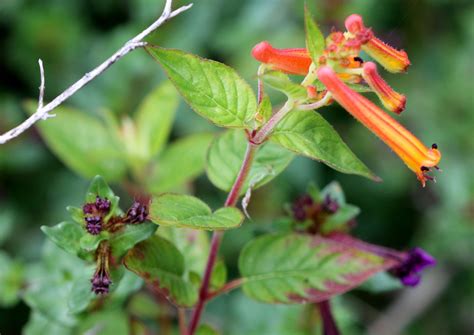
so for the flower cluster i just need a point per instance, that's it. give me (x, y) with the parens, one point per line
(101, 279)
(338, 66)
(414, 261)
(94, 214)
(306, 209)
(138, 213)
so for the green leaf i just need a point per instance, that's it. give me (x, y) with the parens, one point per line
(185, 211)
(295, 268)
(89, 243)
(264, 111)
(66, 235)
(309, 134)
(154, 119)
(81, 295)
(214, 90)
(105, 322)
(38, 324)
(128, 236)
(338, 221)
(335, 192)
(281, 82)
(11, 280)
(227, 152)
(193, 244)
(206, 330)
(314, 37)
(77, 215)
(179, 163)
(161, 265)
(99, 187)
(82, 143)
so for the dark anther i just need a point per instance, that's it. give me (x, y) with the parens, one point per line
(358, 59)
(434, 146)
(424, 168)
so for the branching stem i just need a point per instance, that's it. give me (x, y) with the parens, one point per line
(42, 112)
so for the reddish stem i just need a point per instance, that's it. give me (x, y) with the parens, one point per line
(231, 200)
(226, 288)
(329, 325)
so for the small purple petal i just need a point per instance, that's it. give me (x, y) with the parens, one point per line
(102, 204)
(330, 205)
(415, 261)
(88, 208)
(100, 282)
(300, 207)
(94, 225)
(138, 213)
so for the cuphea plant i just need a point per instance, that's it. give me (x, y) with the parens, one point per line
(161, 240)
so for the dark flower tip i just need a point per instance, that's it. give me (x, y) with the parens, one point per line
(138, 213)
(415, 261)
(102, 204)
(300, 207)
(94, 225)
(330, 205)
(101, 282)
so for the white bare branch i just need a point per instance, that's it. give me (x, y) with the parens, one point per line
(43, 112)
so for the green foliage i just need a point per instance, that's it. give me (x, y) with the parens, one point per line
(154, 119)
(308, 134)
(83, 143)
(11, 280)
(281, 82)
(264, 111)
(162, 266)
(206, 330)
(225, 158)
(315, 43)
(295, 268)
(214, 90)
(185, 211)
(179, 163)
(129, 235)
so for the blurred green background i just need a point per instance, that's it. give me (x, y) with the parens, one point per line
(72, 37)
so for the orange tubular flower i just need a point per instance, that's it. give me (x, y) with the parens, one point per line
(391, 59)
(415, 155)
(392, 100)
(292, 61)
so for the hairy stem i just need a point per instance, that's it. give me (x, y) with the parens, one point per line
(231, 200)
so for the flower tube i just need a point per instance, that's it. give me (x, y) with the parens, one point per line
(292, 61)
(391, 59)
(392, 100)
(410, 149)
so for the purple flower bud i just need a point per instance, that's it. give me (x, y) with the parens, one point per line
(138, 213)
(101, 282)
(330, 205)
(300, 207)
(409, 270)
(102, 204)
(94, 225)
(88, 208)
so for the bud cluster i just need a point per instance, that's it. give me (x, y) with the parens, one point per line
(306, 210)
(94, 214)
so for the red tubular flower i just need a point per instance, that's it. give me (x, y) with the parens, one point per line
(292, 61)
(392, 100)
(391, 59)
(415, 155)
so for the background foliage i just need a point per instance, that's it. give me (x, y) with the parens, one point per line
(73, 36)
